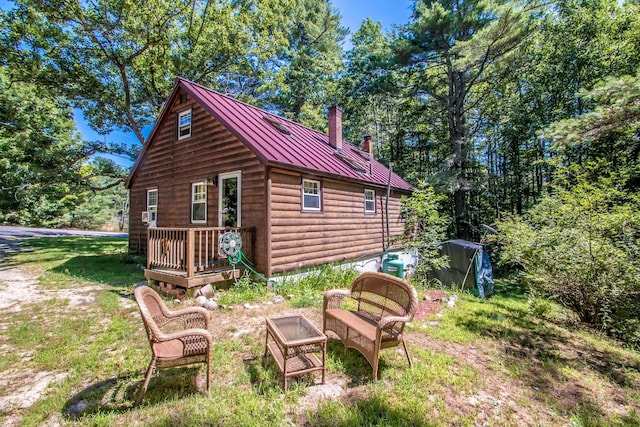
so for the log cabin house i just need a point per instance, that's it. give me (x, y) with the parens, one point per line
(298, 197)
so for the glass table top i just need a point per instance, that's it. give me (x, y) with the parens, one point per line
(295, 328)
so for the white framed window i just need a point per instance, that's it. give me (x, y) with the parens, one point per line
(152, 206)
(199, 202)
(369, 201)
(184, 125)
(311, 195)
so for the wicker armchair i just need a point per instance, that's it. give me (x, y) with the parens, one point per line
(177, 338)
(384, 304)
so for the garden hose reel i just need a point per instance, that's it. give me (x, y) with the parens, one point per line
(230, 244)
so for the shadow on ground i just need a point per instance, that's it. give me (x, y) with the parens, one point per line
(119, 394)
(111, 269)
(544, 355)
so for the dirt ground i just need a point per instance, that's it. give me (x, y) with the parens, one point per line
(18, 290)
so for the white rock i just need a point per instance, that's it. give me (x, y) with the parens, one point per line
(211, 305)
(206, 291)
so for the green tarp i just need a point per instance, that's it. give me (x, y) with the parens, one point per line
(470, 260)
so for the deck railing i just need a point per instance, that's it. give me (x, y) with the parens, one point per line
(192, 250)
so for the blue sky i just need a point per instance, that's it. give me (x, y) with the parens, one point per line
(353, 12)
(388, 12)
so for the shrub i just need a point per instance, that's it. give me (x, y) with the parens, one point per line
(580, 247)
(426, 229)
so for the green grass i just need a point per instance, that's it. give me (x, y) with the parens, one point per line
(510, 360)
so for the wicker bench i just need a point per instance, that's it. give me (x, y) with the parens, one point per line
(380, 306)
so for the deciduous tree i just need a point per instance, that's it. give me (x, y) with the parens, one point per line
(44, 165)
(117, 60)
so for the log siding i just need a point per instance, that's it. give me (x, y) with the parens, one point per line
(173, 165)
(342, 230)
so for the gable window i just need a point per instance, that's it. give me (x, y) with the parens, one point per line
(369, 201)
(152, 206)
(199, 202)
(184, 124)
(310, 195)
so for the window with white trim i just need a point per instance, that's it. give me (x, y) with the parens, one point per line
(199, 202)
(310, 195)
(184, 124)
(369, 201)
(152, 205)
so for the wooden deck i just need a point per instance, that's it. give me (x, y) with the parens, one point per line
(179, 259)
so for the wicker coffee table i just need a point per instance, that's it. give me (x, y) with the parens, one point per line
(295, 346)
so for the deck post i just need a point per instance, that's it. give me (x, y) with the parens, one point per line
(150, 252)
(190, 253)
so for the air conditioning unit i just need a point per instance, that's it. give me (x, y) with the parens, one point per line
(145, 217)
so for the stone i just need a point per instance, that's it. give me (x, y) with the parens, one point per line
(206, 290)
(211, 305)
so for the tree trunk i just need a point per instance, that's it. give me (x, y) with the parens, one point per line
(460, 151)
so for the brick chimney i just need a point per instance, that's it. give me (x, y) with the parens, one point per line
(335, 127)
(367, 144)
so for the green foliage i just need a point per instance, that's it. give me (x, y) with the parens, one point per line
(457, 96)
(580, 247)
(41, 156)
(100, 210)
(244, 290)
(571, 46)
(448, 50)
(306, 66)
(116, 60)
(46, 175)
(607, 133)
(426, 228)
(372, 92)
(304, 289)
(301, 289)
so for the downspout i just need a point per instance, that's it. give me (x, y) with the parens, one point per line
(386, 206)
(268, 188)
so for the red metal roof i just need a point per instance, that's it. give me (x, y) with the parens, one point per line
(293, 146)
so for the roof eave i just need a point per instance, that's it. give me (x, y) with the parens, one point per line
(338, 177)
(163, 112)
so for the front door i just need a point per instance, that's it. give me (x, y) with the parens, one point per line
(230, 185)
